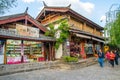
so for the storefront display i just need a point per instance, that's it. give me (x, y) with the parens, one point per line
(13, 51)
(32, 51)
(89, 48)
(75, 49)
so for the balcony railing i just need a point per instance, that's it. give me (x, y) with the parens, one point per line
(10, 33)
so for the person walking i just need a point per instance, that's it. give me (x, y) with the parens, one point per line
(112, 58)
(107, 56)
(101, 58)
(116, 57)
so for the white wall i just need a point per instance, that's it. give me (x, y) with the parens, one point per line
(2, 54)
(59, 52)
(1, 59)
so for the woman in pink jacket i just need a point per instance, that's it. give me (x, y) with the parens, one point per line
(107, 56)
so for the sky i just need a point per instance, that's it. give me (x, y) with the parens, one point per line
(94, 10)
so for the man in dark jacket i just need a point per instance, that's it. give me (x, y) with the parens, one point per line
(101, 58)
(116, 57)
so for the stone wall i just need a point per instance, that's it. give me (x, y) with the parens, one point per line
(14, 68)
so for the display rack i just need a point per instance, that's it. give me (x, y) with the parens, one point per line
(32, 52)
(13, 54)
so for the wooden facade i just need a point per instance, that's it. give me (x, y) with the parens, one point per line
(83, 32)
(23, 37)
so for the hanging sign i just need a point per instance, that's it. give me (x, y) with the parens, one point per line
(27, 30)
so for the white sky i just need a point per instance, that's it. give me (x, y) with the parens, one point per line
(92, 9)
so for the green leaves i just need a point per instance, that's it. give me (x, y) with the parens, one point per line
(51, 32)
(115, 31)
(63, 31)
(70, 59)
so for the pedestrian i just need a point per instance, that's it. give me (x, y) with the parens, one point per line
(112, 58)
(116, 56)
(107, 56)
(101, 58)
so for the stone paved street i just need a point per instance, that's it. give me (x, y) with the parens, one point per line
(93, 72)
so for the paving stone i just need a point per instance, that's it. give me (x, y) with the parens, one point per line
(93, 72)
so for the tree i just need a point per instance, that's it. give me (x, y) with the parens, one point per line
(6, 5)
(62, 31)
(115, 31)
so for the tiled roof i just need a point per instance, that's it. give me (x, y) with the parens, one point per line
(12, 16)
(9, 19)
(69, 11)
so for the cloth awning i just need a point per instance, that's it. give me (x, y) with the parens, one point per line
(98, 40)
(89, 37)
(83, 36)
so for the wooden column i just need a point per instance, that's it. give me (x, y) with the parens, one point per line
(5, 50)
(84, 25)
(43, 50)
(53, 57)
(93, 47)
(54, 50)
(94, 31)
(49, 57)
(22, 51)
(50, 52)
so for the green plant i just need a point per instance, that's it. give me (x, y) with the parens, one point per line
(62, 28)
(70, 59)
(114, 30)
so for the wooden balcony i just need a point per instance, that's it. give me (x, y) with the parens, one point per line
(8, 34)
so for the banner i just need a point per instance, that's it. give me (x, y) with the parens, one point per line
(14, 42)
(27, 31)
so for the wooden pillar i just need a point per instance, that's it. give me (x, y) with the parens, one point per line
(49, 52)
(84, 25)
(54, 50)
(94, 31)
(5, 50)
(22, 51)
(43, 50)
(53, 57)
(93, 47)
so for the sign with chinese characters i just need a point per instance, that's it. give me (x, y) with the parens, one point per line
(15, 42)
(27, 30)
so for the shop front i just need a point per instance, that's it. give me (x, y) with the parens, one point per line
(29, 51)
(16, 49)
(22, 40)
(84, 45)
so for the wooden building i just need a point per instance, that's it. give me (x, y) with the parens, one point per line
(22, 40)
(84, 33)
